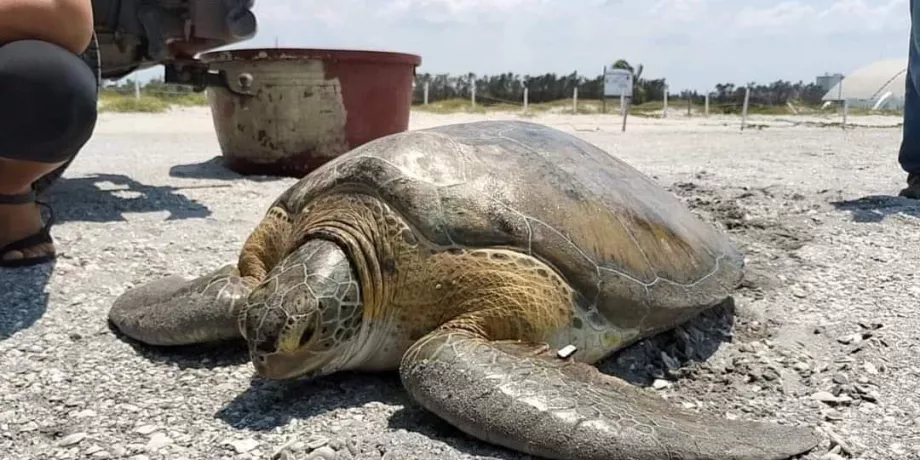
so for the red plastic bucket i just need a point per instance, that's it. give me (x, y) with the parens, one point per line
(287, 111)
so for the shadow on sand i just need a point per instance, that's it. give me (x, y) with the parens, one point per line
(97, 198)
(876, 208)
(216, 170)
(106, 197)
(267, 405)
(25, 297)
(198, 356)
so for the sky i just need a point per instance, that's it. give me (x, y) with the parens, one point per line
(695, 44)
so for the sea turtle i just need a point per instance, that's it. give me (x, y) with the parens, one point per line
(474, 258)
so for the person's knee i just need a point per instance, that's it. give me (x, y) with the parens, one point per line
(49, 98)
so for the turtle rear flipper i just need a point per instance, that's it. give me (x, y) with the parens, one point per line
(176, 311)
(524, 397)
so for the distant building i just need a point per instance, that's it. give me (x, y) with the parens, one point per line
(879, 85)
(827, 81)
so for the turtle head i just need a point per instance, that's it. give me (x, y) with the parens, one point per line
(304, 319)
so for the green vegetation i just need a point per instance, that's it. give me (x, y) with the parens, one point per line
(551, 92)
(647, 109)
(156, 97)
(548, 93)
(113, 102)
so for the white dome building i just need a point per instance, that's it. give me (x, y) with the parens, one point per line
(879, 85)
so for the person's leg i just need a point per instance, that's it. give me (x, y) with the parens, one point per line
(909, 155)
(47, 113)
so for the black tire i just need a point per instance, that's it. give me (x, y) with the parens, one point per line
(93, 60)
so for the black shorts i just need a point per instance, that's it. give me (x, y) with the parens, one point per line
(48, 101)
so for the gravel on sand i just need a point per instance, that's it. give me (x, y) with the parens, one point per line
(823, 332)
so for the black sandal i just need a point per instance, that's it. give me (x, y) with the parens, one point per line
(43, 236)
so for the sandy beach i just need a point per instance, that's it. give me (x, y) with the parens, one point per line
(824, 330)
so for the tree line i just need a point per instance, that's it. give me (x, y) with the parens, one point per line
(509, 88)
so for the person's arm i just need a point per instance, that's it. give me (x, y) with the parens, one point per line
(67, 23)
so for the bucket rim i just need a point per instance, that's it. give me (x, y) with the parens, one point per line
(344, 54)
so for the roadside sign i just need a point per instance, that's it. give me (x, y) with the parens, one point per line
(618, 82)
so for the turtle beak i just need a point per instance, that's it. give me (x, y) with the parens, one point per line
(292, 356)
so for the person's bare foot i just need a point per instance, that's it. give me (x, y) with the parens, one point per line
(18, 221)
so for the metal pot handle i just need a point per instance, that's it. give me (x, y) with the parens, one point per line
(196, 74)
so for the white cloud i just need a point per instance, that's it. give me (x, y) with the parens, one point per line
(840, 16)
(694, 43)
(679, 10)
(275, 12)
(858, 15)
(784, 14)
(468, 11)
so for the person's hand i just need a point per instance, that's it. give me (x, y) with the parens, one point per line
(67, 23)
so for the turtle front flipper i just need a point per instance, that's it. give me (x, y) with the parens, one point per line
(176, 311)
(526, 398)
